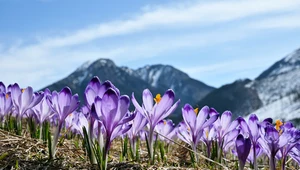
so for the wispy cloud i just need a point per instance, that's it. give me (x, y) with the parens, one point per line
(288, 21)
(228, 66)
(189, 14)
(50, 56)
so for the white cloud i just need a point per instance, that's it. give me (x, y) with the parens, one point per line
(53, 58)
(281, 21)
(197, 13)
(230, 66)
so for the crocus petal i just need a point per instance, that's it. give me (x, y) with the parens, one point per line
(212, 133)
(123, 106)
(64, 97)
(109, 108)
(105, 86)
(210, 121)
(15, 94)
(253, 125)
(264, 146)
(26, 98)
(284, 138)
(243, 147)
(171, 110)
(189, 116)
(213, 112)
(165, 103)
(183, 134)
(232, 126)
(201, 117)
(2, 87)
(98, 106)
(271, 135)
(94, 83)
(147, 100)
(226, 119)
(137, 106)
(90, 96)
(244, 126)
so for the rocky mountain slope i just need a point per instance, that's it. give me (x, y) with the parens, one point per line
(158, 78)
(274, 93)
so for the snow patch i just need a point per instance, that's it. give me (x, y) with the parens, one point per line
(285, 108)
(154, 74)
(84, 66)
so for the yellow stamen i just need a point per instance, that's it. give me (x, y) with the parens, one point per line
(188, 129)
(206, 133)
(196, 110)
(23, 90)
(157, 98)
(165, 122)
(278, 124)
(6, 95)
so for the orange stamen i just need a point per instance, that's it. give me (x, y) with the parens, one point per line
(157, 98)
(196, 110)
(278, 124)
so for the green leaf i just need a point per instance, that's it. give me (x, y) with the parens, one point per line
(49, 145)
(3, 156)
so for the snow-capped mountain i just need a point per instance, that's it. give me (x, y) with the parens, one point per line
(279, 87)
(157, 78)
(274, 93)
(169, 77)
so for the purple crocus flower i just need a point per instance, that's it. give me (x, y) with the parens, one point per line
(194, 123)
(138, 124)
(5, 106)
(112, 112)
(295, 153)
(79, 122)
(42, 110)
(273, 141)
(162, 108)
(208, 135)
(165, 128)
(251, 130)
(290, 137)
(63, 104)
(24, 99)
(95, 88)
(2, 87)
(243, 147)
(226, 132)
(70, 119)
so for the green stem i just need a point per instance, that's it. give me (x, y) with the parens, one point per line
(41, 131)
(151, 144)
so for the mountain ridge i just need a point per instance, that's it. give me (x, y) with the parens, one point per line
(275, 88)
(136, 80)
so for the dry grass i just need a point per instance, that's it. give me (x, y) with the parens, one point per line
(23, 152)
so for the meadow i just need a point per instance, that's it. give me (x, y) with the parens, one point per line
(53, 130)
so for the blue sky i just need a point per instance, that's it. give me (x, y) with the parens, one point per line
(217, 42)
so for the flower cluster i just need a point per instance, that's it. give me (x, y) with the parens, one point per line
(104, 116)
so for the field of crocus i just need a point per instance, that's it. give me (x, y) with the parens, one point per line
(103, 131)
